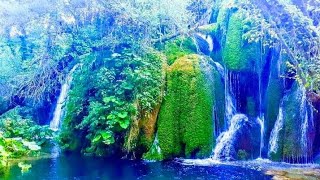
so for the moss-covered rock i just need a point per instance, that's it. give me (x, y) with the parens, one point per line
(154, 153)
(185, 125)
(237, 54)
(211, 29)
(291, 145)
(147, 126)
(274, 93)
(142, 129)
(178, 48)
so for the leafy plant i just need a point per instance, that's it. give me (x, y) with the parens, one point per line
(24, 167)
(25, 129)
(124, 84)
(15, 148)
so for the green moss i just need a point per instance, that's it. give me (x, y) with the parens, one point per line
(242, 154)
(273, 98)
(238, 54)
(185, 119)
(292, 123)
(209, 29)
(178, 48)
(154, 154)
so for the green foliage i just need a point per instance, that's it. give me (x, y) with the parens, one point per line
(20, 137)
(292, 27)
(25, 129)
(153, 154)
(292, 123)
(179, 47)
(237, 53)
(185, 119)
(24, 167)
(15, 148)
(120, 81)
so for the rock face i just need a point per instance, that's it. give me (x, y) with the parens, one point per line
(201, 97)
(238, 54)
(185, 124)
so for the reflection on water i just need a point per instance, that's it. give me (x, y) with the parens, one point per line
(77, 167)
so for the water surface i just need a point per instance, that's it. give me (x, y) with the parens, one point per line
(78, 167)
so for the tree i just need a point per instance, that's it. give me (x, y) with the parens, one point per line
(40, 39)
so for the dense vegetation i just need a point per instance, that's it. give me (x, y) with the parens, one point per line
(142, 73)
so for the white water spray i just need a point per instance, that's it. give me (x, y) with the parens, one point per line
(225, 142)
(275, 133)
(55, 122)
(304, 124)
(261, 122)
(208, 39)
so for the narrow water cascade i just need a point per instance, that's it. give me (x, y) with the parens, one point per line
(224, 148)
(208, 39)
(275, 133)
(304, 125)
(229, 100)
(58, 112)
(260, 120)
(225, 142)
(219, 68)
(155, 144)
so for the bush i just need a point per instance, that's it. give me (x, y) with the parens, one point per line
(25, 129)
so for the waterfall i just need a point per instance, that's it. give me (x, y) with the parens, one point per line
(154, 153)
(219, 68)
(304, 124)
(230, 107)
(208, 39)
(155, 144)
(55, 122)
(230, 110)
(225, 142)
(274, 138)
(260, 120)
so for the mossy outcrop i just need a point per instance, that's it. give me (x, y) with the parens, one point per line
(185, 123)
(237, 53)
(293, 147)
(178, 48)
(292, 121)
(272, 103)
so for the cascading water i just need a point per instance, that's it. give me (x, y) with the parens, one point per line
(208, 39)
(260, 120)
(219, 68)
(230, 110)
(225, 142)
(230, 107)
(275, 133)
(224, 148)
(55, 122)
(155, 145)
(304, 125)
